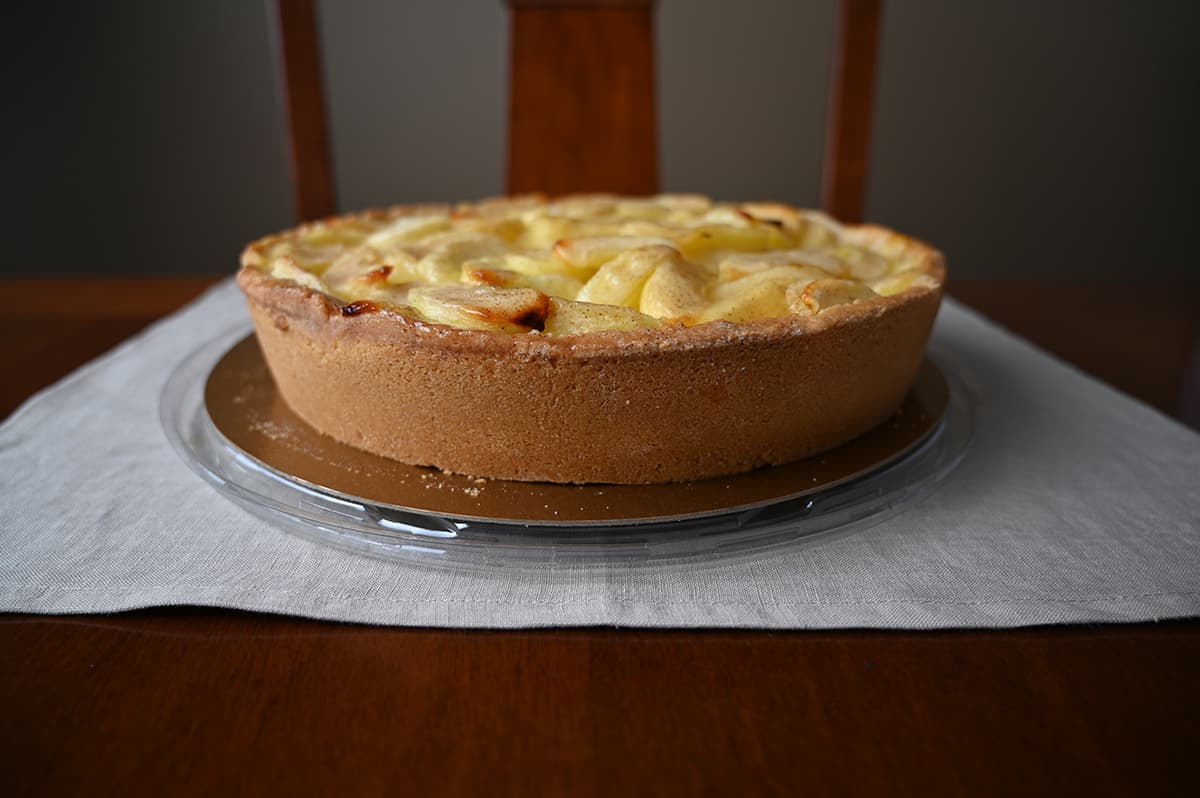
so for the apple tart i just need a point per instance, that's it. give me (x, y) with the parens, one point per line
(592, 338)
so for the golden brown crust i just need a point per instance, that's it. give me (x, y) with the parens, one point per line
(623, 406)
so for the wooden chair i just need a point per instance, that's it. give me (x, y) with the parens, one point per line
(572, 62)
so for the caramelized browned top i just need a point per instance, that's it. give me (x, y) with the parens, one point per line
(596, 262)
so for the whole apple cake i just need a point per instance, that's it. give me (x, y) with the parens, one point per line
(592, 338)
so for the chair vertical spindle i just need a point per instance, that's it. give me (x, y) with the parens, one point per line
(298, 57)
(581, 102)
(848, 131)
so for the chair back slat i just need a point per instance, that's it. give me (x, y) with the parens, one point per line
(851, 92)
(581, 98)
(298, 59)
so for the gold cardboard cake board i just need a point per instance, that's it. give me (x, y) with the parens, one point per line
(246, 409)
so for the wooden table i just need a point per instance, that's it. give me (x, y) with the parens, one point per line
(192, 701)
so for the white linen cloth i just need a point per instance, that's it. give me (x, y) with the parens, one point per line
(1074, 504)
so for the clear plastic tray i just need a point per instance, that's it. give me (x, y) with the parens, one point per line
(430, 539)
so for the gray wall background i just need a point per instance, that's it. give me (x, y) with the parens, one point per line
(1024, 138)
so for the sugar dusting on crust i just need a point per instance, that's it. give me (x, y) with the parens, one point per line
(450, 481)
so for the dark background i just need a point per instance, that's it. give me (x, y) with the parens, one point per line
(1024, 138)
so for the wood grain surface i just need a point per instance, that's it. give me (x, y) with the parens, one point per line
(205, 702)
(297, 44)
(190, 701)
(581, 97)
(851, 96)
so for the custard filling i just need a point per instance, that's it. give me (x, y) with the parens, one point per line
(587, 263)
